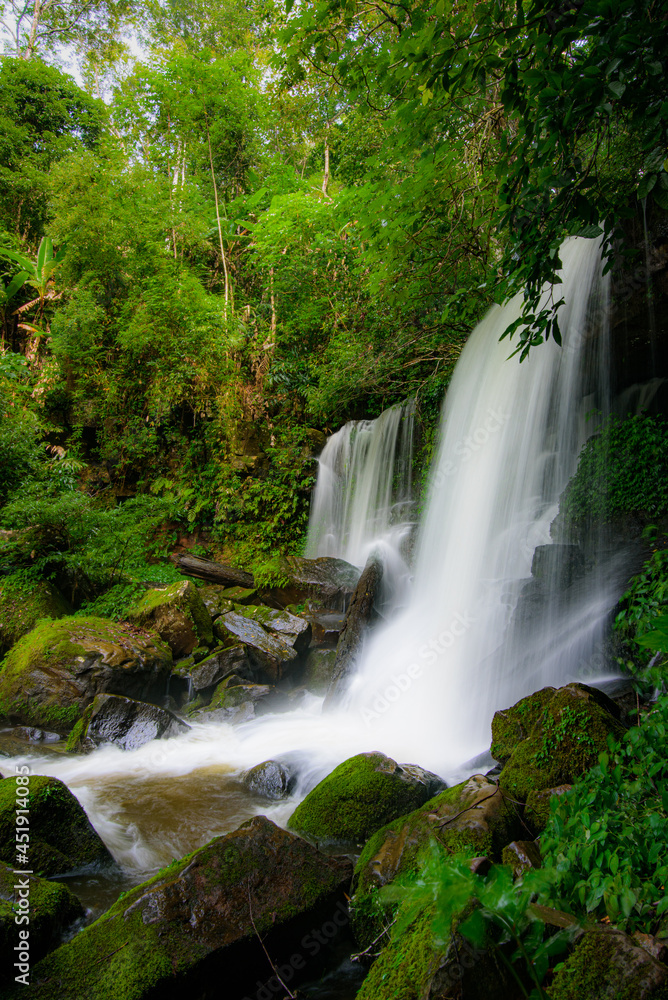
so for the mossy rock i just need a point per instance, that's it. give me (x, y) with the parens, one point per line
(269, 652)
(22, 606)
(52, 910)
(319, 670)
(537, 809)
(51, 675)
(204, 920)
(565, 741)
(473, 819)
(415, 966)
(293, 630)
(61, 836)
(511, 726)
(125, 722)
(357, 798)
(608, 965)
(178, 614)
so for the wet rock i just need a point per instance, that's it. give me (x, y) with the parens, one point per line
(21, 607)
(207, 922)
(521, 856)
(326, 625)
(33, 735)
(271, 780)
(219, 665)
(359, 616)
(127, 723)
(318, 670)
(52, 674)
(537, 809)
(609, 965)
(557, 565)
(268, 651)
(433, 784)
(472, 818)
(294, 631)
(61, 837)
(52, 910)
(177, 613)
(327, 582)
(357, 798)
(564, 742)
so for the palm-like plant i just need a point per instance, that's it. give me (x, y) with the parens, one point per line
(38, 274)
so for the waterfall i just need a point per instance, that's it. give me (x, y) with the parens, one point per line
(362, 502)
(468, 641)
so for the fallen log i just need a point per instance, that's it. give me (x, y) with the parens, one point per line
(213, 572)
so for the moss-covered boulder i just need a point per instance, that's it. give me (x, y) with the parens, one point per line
(326, 582)
(21, 607)
(609, 965)
(537, 809)
(512, 725)
(473, 818)
(50, 907)
(127, 723)
(521, 856)
(294, 631)
(319, 670)
(214, 668)
(566, 740)
(54, 672)
(270, 654)
(207, 923)
(61, 836)
(415, 966)
(177, 613)
(357, 798)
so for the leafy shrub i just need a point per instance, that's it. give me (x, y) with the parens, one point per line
(622, 470)
(645, 599)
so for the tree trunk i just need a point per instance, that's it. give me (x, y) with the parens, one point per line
(325, 180)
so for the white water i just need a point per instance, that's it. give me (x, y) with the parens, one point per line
(430, 679)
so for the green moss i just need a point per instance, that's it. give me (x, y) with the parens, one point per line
(22, 605)
(406, 965)
(566, 740)
(513, 725)
(61, 838)
(183, 596)
(357, 798)
(598, 970)
(77, 736)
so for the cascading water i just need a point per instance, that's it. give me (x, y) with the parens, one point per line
(362, 503)
(430, 678)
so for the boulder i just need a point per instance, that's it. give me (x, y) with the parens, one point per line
(270, 780)
(294, 631)
(326, 626)
(357, 798)
(268, 651)
(512, 725)
(564, 742)
(22, 606)
(472, 818)
(557, 566)
(318, 670)
(177, 613)
(127, 723)
(61, 837)
(236, 700)
(359, 616)
(52, 674)
(521, 856)
(51, 908)
(328, 582)
(221, 664)
(607, 964)
(33, 735)
(208, 922)
(537, 809)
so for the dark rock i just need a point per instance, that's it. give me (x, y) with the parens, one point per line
(219, 665)
(294, 631)
(609, 965)
(521, 856)
(268, 651)
(359, 616)
(327, 626)
(52, 910)
(52, 674)
(214, 601)
(557, 565)
(207, 923)
(318, 670)
(432, 783)
(177, 613)
(125, 722)
(328, 582)
(357, 798)
(33, 735)
(61, 837)
(271, 780)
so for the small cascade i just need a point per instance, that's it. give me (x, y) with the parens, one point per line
(362, 503)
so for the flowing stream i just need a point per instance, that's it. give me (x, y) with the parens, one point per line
(432, 676)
